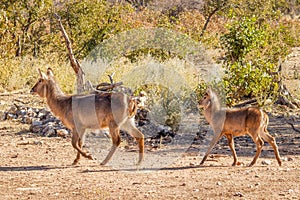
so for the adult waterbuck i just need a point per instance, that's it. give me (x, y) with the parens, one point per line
(236, 122)
(114, 111)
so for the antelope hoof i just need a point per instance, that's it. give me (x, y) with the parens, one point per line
(251, 164)
(103, 163)
(279, 163)
(139, 162)
(90, 157)
(141, 158)
(237, 164)
(75, 162)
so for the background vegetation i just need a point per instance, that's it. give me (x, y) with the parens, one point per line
(252, 37)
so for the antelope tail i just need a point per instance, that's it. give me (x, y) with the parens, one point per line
(132, 108)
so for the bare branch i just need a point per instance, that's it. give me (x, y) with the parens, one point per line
(293, 126)
(107, 86)
(74, 63)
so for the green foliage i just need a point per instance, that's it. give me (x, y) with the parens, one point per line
(253, 50)
(255, 38)
(243, 36)
(243, 77)
(250, 80)
(165, 106)
(280, 39)
(23, 25)
(90, 22)
(169, 85)
(264, 10)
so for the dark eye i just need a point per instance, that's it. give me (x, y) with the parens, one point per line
(40, 80)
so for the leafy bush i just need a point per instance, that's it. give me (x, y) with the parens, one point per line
(243, 36)
(169, 84)
(250, 80)
(252, 51)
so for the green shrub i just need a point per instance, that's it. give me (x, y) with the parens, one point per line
(243, 36)
(169, 84)
(252, 51)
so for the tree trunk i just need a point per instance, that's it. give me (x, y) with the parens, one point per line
(219, 6)
(285, 97)
(80, 79)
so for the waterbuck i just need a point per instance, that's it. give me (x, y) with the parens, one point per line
(236, 122)
(114, 111)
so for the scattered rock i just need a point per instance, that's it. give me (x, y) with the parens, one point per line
(290, 159)
(14, 156)
(41, 120)
(27, 120)
(38, 142)
(238, 194)
(266, 162)
(10, 116)
(49, 132)
(290, 191)
(62, 132)
(37, 123)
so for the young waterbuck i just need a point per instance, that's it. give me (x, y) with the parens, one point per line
(114, 111)
(236, 122)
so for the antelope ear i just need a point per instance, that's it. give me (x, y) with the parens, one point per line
(209, 90)
(40, 72)
(42, 75)
(50, 72)
(208, 104)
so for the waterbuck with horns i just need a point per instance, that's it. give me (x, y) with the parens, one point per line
(114, 111)
(236, 122)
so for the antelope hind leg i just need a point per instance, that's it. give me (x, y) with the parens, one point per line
(259, 143)
(271, 140)
(138, 135)
(231, 146)
(115, 135)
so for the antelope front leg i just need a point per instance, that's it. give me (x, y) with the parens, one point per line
(211, 146)
(77, 144)
(78, 153)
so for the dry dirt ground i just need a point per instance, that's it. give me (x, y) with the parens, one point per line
(35, 167)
